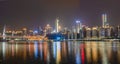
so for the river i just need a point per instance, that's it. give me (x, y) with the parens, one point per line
(65, 52)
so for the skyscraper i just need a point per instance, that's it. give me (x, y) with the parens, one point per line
(79, 26)
(57, 25)
(104, 20)
(4, 31)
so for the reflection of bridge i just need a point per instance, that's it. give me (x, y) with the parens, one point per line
(12, 36)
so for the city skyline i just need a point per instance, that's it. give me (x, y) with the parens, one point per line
(39, 13)
(59, 31)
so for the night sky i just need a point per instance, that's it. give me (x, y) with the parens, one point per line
(33, 13)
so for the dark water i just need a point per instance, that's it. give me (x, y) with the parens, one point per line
(60, 53)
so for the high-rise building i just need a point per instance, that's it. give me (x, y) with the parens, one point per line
(79, 26)
(88, 32)
(48, 29)
(4, 31)
(118, 31)
(102, 33)
(57, 25)
(104, 21)
(25, 31)
(95, 32)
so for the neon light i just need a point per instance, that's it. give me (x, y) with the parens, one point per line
(58, 38)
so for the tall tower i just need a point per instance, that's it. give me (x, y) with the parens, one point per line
(57, 25)
(4, 35)
(79, 26)
(104, 20)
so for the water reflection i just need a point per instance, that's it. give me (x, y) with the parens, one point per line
(36, 50)
(88, 52)
(77, 53)
(72, 52)
(3, 49)
(103, 53)
(58, 58)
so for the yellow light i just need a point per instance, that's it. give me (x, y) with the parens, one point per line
(48, 25)
(24, 28)
(88, 28)
(30, 30)
(94, 28)
(59, 27)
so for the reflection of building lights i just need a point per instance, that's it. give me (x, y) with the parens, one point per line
(119, 55)
(104, 56)
(82, 53)
(77, 54)
(54, 50)
(64, 51)
(58, 59)
(12, 50)
(45, 47)
(109, 50)
(88, 51)
(94, 51)
(36, 50)
(41, 50)
(24, 52)
(3, 49)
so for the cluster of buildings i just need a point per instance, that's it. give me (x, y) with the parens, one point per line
(105, 31)
(79, 31)
(95, 32)
(31, 32)
(21, 32)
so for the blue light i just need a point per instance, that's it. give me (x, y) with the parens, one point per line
(58, 38)
(35, 32)
(36, 50)
(54, 50)
(77, 21)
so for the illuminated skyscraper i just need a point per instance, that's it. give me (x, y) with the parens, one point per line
(104, 20)
(4, 31)
(48, 29)
(79, 26)
(57, 25)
